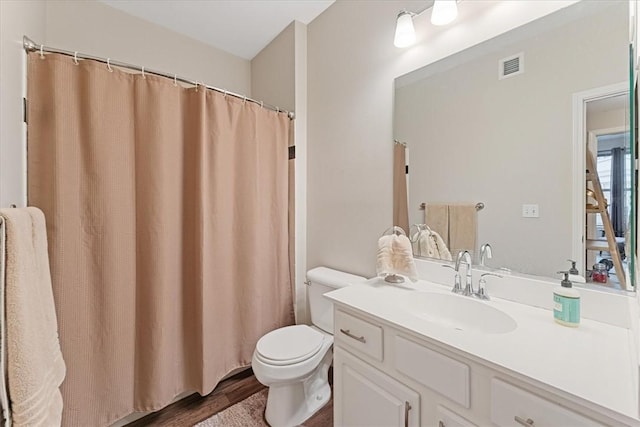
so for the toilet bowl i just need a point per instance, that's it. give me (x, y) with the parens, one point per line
(298, 377)
(294, 361)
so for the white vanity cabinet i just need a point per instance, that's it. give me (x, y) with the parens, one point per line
(386, 376)
(364, 396)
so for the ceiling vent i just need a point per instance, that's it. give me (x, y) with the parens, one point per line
(511, 66)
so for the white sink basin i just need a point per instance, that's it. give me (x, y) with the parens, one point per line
(460, 312)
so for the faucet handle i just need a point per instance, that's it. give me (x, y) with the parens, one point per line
(482, 288)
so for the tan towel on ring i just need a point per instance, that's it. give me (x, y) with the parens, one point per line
(436, 216)
(35, 367)
(395, 257)
(463, 228)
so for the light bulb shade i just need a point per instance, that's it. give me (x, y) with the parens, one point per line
(405, 33)
(444, 12)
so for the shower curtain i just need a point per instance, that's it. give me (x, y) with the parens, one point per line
(400, 204)
(168, 232)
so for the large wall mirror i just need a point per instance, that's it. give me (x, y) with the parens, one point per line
(495, 126)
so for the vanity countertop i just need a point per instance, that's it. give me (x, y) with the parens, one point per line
(595, 362)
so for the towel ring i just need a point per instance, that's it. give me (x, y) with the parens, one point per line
(413, 237)
(416, 235)
(398, 231)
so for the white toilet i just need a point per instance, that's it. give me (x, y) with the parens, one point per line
(294, 361)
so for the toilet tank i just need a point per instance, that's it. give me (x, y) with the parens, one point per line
(322, 280)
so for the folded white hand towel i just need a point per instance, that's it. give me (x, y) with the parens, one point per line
(395, 257)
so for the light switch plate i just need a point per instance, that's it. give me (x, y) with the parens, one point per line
(530, 211)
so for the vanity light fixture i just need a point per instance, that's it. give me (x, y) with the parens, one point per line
(443, 12)
(405, 33)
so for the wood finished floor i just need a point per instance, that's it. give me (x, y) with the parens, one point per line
(195, 408)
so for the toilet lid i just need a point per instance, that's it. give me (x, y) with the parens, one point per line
(290, 344)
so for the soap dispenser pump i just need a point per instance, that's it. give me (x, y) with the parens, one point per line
(566, 302)
(574, 274)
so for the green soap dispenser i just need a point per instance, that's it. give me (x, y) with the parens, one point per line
(566, 303)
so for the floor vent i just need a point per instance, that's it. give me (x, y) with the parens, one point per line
(511, 66)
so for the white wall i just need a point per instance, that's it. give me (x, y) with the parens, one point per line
(95, 28)
(352, 65)
(300, 131)
(273, 71)
(279, 77)
(607, 119)
(17, 18)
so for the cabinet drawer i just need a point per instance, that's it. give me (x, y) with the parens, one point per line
(358, 334)
(434, 370)
(510, 404)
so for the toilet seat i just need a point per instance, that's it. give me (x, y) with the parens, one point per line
(289, 345)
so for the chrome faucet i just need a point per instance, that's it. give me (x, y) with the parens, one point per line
(485, 253)
(465, 256)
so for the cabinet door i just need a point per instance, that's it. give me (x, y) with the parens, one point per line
(364, 396)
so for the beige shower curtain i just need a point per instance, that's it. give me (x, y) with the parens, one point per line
(400, 206)
(168, 231)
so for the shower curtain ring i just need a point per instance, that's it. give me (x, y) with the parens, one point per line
(197, 83)
(75, 58)
(143, 76)
(175, 80)
(109, 65)
(261, 104)
(224, 93)
(244, 100)
(41, 51)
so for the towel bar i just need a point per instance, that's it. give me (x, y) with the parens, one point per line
(479, 206)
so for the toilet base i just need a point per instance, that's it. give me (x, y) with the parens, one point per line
(291, 404)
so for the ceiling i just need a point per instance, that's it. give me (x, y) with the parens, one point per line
(240, 27)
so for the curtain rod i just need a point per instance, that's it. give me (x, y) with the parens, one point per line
(30, 46)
